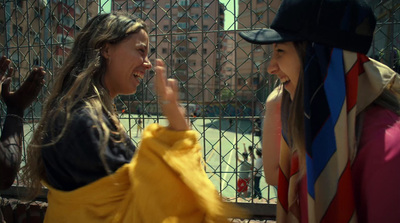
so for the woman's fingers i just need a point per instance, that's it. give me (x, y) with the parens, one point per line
(160, 78)
(4, 67)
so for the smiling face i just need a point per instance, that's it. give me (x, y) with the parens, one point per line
(127, 62)
(286, 65)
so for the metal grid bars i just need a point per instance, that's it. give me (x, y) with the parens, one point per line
(223, 80)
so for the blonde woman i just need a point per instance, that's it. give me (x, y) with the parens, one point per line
(81, 152)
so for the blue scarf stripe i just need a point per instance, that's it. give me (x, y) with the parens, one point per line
(315, 105)
(323, 147)
(335, 86)
(310, 176)
(324, 109)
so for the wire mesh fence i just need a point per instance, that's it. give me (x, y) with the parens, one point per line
(223, 80)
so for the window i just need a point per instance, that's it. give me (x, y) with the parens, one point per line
(196, 5)
(66, 20)
(152, 38)
(181, 49)
(139, 4)
(2, 27)
(183, 14)
(19, 3)
(166, 27)
(60, 39)
(60, 60)
(37, 12)
(259, 15)
(194, 28)
(70, 2)
(164, 50)
(153, 50)
(69, 42)
(167, 6)
(205, 27)
(180, 60)
(255, 80)
(36, 61)
(195, 16)
(193, 39)
(14, 58)
(184, 2)
(206, 16)
(37, 38)
(78, 9)
(182, 25)
(181, 37)
(17, 30)
(66, 41)
(204, 51)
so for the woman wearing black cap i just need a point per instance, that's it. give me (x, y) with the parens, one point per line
(340, 114)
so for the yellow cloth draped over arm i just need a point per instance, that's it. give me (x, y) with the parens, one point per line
(165, 182)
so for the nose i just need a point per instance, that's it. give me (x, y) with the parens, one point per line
(273, 67)
(147, 63)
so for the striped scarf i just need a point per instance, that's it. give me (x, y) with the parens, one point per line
(338, 85)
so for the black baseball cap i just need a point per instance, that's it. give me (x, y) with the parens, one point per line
(345, 24)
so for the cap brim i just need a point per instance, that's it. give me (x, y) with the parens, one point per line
(267, 36)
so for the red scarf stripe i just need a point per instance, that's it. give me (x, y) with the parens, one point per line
(351, 85)
(294, 165)
(283, 190)
(342, 207)
(352, 80)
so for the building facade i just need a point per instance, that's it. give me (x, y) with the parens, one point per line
(187, 35)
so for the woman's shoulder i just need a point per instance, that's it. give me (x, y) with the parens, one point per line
(379, 124)
(378, 115)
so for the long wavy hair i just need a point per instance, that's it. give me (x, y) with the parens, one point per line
(80, 79)
(293, 111)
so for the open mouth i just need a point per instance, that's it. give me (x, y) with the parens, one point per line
(285, 81)
(138, 76)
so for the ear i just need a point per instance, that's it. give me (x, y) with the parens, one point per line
(105, 51)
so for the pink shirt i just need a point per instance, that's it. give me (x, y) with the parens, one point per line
(376, 169)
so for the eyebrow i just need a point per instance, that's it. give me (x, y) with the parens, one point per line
(141, 44)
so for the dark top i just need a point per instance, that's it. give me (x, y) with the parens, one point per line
(74, 161)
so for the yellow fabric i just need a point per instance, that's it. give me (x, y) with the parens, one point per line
(165, 182)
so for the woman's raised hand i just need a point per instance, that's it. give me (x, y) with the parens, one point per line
(167, 91)
(26, 93)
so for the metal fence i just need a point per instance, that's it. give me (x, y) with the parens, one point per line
(223, 80)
